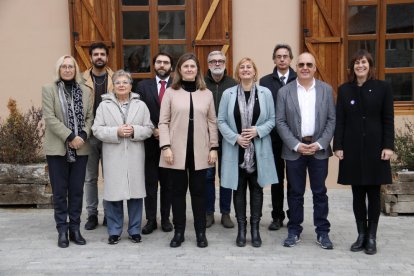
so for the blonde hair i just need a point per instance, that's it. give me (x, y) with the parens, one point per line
(78, 76)
(243, 60)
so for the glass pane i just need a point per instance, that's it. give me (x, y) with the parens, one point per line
(135, 2)
(362, 20)
(174, 50)
(135, 25)
(399, 53)
(402, 86)
(400, 18)
(171, 25)
(355, 45)
(137, 58)
(170, 2)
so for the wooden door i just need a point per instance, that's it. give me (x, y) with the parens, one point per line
(322, 36)
(91, 21)
(213, 31)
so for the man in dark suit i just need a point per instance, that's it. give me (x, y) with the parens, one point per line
(282, 75)
(305, 120)
(151, 92)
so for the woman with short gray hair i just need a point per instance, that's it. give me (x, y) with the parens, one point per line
(122, 123)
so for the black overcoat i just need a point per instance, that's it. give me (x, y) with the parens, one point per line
(364, 127)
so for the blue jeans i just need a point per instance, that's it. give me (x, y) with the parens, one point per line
(225, 194)
(296, 176)
(115, 216)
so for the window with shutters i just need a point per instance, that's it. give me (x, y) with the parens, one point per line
(386, 29)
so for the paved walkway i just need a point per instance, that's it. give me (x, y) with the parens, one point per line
(28, 247)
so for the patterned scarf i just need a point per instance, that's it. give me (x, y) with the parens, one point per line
(246, 114)
(72, 108)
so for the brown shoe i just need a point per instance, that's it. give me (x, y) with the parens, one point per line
(226, 221)
(209, 220)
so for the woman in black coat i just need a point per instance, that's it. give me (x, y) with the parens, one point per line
(364, 143)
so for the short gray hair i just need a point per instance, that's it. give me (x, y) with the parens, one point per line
(122, 73)
(213, 53)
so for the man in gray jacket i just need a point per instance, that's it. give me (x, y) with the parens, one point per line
(305, 120)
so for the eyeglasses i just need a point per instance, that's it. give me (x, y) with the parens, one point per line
(159, 62)
(216, 61)
(282, 56)
(308, 64)
(67, 67)
(117, 83)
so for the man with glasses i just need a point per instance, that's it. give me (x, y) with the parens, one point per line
(217, 81)
(282, 75)
(151, 92)
(305, 120)
(99, 79)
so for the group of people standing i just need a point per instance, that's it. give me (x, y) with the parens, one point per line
(168, 133)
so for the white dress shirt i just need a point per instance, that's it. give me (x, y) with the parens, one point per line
(157, 79)
(307, 101)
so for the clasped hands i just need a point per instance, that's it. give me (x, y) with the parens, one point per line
(310, 149)
(76, 143)
(125, 131)
(244, 139)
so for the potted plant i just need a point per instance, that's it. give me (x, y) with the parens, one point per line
(23, 172)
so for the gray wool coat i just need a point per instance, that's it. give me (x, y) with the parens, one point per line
(123, 158)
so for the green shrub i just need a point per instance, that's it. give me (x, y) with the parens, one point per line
(21, 136)
(404, 148)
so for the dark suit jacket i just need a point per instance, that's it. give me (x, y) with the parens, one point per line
(288, 119)
(148, 92)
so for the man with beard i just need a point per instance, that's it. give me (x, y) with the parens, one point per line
(217, 81)
(151, 92)
(99, 79)
(282, 75)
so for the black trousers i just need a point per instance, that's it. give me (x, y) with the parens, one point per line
(256, 197)
(153, 174)
(360, 194)
(277, 191)
(196, 181)
(67, 186)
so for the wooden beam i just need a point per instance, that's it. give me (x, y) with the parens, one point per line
(318, 64)
(329, 22)
(95, 20)
(225, 48)
(207, 20)
(323, 39)
(211, 42)
(83, 57)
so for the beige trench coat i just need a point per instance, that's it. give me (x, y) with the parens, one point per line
(123, 158)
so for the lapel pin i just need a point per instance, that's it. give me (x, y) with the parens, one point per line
(352, 102)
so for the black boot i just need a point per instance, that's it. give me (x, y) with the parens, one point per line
(76, 237)
(201, 239)
(241, 233)
(359, 244)
(371, 243)
(177, 239)
(256, 240)
(63, 240)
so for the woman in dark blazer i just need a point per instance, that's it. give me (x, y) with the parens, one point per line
(67, 110)
(364, 143)
(188, 142)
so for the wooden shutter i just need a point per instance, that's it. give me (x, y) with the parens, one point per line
(322, 36)
(212, 21)
(91, 21)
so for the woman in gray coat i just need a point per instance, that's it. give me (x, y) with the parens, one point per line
(122, 123)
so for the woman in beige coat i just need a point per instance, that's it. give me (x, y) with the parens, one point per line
(122, 123)
(189, 141)
(67, 111)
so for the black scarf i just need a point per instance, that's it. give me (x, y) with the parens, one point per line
(72, 108)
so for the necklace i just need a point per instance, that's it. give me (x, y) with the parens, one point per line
(99, 84)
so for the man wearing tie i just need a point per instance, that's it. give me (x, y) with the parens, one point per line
(151, 92)
(282, 75)
(305, 120)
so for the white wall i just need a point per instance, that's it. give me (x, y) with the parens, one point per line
(33, 35)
